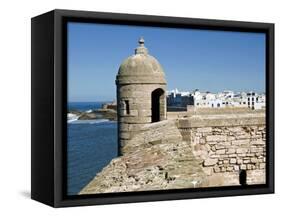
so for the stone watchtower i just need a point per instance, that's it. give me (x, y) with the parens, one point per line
(141, 99)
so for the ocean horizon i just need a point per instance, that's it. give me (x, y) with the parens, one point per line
(84, 106)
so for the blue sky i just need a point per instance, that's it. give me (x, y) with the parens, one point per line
(192, 59)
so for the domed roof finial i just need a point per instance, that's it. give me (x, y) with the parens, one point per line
(141, 41)
(141, 49)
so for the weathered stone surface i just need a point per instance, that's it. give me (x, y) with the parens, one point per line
(204, 130)
(257, 142)
(257, 176)
(241, 150)
(220, 151)
(240, 142)
(229, 168)
(243, 147)
(239, 161)
(243, 167)
(231, 151)
(162, 166)
(262, 166)
(254, 160)
(149, 134)
(216, 170)
(216, 138)
(210, 161)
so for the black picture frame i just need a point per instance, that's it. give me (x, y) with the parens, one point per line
(49, 85)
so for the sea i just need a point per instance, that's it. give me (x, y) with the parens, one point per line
(91, 145)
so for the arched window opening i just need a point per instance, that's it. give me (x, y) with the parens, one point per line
(157, 105)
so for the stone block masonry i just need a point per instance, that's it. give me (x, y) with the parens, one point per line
(226, 144)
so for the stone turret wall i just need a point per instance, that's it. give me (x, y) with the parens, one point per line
(138, 97)
(139, 76)
(227, 144)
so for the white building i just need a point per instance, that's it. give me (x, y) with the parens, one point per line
(255, 101)
(223, 99)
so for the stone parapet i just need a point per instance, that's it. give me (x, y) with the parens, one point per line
(227, 144)
(222, 120)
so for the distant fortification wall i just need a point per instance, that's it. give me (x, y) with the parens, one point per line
(226, 144)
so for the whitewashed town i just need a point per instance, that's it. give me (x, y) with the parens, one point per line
(227, 98)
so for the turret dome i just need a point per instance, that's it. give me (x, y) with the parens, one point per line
(140, 68)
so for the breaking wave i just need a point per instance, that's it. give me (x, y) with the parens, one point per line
(96, 121)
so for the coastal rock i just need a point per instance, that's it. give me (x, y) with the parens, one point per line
(87, 116)
(109, 114)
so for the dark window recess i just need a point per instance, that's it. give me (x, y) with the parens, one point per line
(155, 104)
(127, 107)
(243, 177)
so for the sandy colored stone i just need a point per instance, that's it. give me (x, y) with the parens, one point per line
(216, 138)
(162, 166)
(210, 161)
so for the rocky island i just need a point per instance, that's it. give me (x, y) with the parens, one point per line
(108, 111)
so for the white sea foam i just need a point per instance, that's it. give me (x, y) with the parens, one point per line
(72, 117)
(95, 121)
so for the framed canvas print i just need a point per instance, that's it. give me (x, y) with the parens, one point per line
(133, 108)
